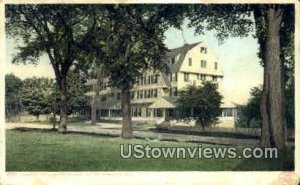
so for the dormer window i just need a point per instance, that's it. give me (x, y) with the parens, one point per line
(203, 50)
(173, 60)
(203, 63)
(216, 65)
(190, 61)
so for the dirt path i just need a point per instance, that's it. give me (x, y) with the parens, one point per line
(104, 129)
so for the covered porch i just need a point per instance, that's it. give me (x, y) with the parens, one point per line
(163, 108)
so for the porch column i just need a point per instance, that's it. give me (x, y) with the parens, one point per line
(164, 114)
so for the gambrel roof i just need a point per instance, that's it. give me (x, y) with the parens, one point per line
(183, 49)
(182, 52)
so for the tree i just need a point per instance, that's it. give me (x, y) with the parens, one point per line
(274, 28)
(250, 114)
(35, 95)
(201, 103)
(13, 86)
(77, 100)
(134, 43)
(59, 31)
(98, 73)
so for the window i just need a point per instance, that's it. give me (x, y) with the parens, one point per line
(198, 77)
(175, 77)
(132, 94)
(118, 96)
(216, 65)
(186, 77)
(142, 80)
(171, 112)
(136, 111)
(158, 112)
(173, 60)
(149, 79)
(155, 93)
(227, 112)
(190, 61)
(139, 112)
(103, 98)
(139, 94)
(203, 50)
(203, 77)
(214, 78)
(203, 63)
(173, 91)
(148, 112)
(112, 95)
(155, 79)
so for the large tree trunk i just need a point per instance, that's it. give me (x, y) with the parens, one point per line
(63, 105)
(272, 103)
(96, 98)
(94, 109)
(126, 113)
(264, 105)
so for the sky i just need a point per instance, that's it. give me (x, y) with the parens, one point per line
(237, 58)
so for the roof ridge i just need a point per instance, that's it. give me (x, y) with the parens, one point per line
(186, 44)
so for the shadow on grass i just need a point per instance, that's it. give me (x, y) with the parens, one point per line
(44, 130)
(284, 162)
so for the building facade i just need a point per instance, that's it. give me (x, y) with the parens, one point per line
(154, 95)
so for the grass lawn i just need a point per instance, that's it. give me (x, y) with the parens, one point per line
(50, 151)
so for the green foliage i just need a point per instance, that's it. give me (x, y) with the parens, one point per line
(250, 114)
(52, 29)
(76, 98)
(13, 86)
(36, 95)
(41, 95)
(226, 19)
(77, 101)
(59, 31)
(241, 20)
(290, 103)
(129, 39)
(201, 103)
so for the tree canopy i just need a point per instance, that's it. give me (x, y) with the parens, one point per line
(133, 43)
(36, 95)
(273, 26)
(59, 31)
(201, 103)
(13, 87)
